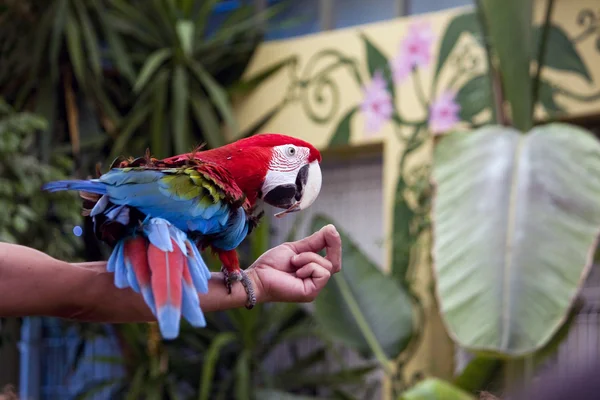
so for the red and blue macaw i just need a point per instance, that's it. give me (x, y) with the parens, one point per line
(157, 212)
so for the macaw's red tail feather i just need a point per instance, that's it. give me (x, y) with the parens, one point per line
(138, 269)
(166, 281)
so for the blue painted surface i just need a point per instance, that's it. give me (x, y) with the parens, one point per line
(29, 347)
(302, 18)
(424, 6)
(47, 353)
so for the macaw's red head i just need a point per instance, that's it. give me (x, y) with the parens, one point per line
(281, 170)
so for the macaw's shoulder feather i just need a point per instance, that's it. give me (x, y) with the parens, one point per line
(224, 181)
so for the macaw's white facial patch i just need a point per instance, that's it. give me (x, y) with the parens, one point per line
(288, 158)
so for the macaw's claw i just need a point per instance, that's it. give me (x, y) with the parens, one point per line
(240, 276)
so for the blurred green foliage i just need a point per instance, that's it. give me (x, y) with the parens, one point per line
(27, 216)
(113, 77)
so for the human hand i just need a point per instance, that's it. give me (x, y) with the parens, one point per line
(294, 272)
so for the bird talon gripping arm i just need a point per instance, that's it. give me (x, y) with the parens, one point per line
(157, 212)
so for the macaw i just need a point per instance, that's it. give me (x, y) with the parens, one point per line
(156, 213)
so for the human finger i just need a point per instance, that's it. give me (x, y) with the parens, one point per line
(326, 238)
(302, 259)
(333, 248)
(314, 277)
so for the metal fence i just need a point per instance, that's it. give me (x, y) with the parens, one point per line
(581, 348)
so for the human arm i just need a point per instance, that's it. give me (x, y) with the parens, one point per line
(33, 283)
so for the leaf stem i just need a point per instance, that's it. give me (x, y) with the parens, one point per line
(409, 144)
(419, 89)
(363, 325)
(497, 99)
(541, 54)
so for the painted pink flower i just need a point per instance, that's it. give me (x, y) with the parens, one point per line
(377, 103)
(400, 68)
(415, 50)
(443, 113)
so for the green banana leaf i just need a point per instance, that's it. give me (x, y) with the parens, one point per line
(435, 389)
(516, 219)
(510, 34)
(479, 373)
(361, 306)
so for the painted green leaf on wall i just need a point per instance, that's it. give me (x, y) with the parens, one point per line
(474, 97)
(546, 97)
(341, 135)
(463, 23)
(377, 61)
(361, 294)
(561, 53)
(515, 222)
(402, 240)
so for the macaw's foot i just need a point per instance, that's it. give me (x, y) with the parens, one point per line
(240, 276)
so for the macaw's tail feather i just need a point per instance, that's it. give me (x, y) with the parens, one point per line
(166, 267)
(190, 307)
(136, 261)
(91, 186)
(167, 272)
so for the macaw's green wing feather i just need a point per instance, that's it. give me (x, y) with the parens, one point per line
(204, 180)
(222, 179)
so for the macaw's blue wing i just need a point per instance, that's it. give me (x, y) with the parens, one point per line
(202, 198)
(180, 196)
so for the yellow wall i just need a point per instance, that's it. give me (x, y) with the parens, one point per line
(345, 93)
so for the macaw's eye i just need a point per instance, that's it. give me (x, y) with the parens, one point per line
(291, 151)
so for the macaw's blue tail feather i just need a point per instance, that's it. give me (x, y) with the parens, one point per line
(120, 268)
(112, 260)
(169, 318)
(190, 305)
(92, 186)
(200, 274)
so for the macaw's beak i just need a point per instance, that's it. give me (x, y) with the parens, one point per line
(297, 195)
